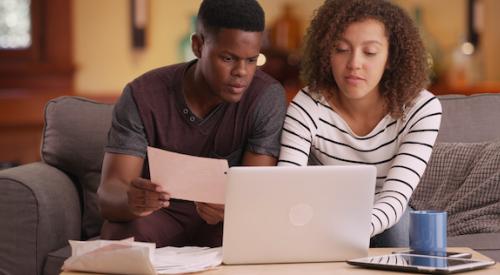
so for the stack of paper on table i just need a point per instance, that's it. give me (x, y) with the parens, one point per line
(129, 257)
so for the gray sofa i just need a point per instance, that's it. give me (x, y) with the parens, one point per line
(46, 203)
(463, 175)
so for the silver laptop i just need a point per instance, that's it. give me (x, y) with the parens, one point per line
(297, 214)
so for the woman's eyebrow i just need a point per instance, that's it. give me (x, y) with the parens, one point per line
(372, 42)
(343, 40)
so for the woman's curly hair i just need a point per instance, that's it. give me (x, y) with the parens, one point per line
(407, 71)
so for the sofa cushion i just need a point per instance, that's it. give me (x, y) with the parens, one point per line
(471, 118)
(73, 140)
(464, 180)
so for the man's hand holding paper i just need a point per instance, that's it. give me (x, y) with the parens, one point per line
(145, 197)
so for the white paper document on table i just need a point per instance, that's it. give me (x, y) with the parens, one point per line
(175, 260)
(129, 257)
(188, 177)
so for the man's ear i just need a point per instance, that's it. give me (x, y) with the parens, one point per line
(196, 44)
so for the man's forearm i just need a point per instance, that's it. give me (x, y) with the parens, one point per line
(113, 201)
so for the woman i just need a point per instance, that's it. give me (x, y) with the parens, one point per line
(366, 70)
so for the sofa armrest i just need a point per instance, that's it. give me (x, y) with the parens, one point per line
(40, 211)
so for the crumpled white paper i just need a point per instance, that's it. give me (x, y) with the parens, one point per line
(112, 257)
(129, 257)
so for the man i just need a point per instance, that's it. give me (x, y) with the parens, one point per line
(216, 106)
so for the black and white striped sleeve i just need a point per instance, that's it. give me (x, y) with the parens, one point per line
(299, 130)
(409, 164)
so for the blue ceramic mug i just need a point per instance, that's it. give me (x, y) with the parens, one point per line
(428, 231)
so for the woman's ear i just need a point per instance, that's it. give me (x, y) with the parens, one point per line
(197, 44)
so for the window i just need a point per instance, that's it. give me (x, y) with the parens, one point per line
(15, 24)
(36, 45)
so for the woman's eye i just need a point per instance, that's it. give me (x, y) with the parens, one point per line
(370, 51)
(341, 50)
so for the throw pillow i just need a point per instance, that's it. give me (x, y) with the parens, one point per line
(464, 180)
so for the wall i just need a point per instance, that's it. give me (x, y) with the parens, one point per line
(445, 20)
(492, 40)
(104, 58)
(447, 30)
(105, 61)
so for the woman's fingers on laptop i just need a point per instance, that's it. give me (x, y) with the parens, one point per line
(211, 213)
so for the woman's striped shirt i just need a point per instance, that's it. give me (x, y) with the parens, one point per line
(400, 149)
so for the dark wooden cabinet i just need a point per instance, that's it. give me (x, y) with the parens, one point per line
(30, 77)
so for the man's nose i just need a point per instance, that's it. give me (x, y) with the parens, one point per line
(240, 68)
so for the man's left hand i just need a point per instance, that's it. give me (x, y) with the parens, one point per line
(210, 212)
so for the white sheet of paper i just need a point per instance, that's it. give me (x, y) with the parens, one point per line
(174, 260)
(188, 177)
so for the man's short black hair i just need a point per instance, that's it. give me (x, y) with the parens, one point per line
(246, 15)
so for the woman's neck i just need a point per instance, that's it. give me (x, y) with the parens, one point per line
(361, 115)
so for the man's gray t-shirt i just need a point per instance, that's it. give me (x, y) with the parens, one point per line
(129, 136)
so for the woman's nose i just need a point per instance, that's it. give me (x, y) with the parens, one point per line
(355, 61)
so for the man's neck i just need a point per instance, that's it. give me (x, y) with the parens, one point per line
(199, 98)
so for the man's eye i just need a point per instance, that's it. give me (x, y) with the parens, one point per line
(252, 60)
(227, 58)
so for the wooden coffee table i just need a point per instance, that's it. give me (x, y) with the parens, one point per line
(330, 268)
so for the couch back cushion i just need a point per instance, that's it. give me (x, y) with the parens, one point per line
(73, 140)
(471, 118)
(464, 180)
